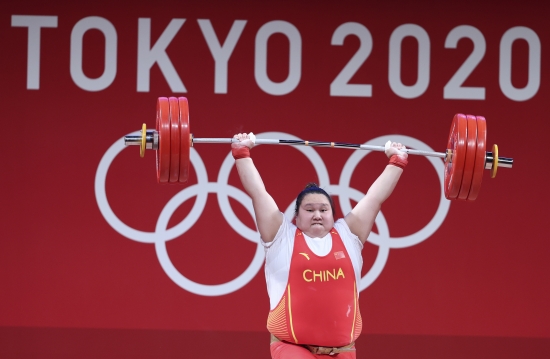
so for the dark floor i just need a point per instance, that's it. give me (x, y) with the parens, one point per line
(62, 343)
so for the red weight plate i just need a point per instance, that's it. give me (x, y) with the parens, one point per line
(174, 140)
(163, 129)
(454, 164)
(185, 131)
(479, 165)
(471, 147)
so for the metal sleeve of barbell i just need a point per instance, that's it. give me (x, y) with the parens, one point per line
(505, 162)
(231, 140)
(265, 141)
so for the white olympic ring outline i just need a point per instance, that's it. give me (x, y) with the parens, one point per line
(202, 188)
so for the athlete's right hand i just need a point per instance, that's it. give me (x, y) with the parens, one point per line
(245, 139)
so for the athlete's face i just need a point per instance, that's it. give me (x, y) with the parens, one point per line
(315, 215)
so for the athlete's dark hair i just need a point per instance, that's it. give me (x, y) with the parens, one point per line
(312, 187)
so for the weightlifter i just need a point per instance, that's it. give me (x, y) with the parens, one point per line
(313, 267)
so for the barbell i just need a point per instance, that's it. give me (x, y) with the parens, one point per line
(465, 158)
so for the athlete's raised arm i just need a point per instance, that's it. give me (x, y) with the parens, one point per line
(268, 216)
(361, 218)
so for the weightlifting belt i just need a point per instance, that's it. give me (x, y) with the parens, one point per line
(319, 350)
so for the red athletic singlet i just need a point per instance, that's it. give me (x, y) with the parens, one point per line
(320, 305)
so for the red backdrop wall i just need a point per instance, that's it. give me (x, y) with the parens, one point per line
(75, 80)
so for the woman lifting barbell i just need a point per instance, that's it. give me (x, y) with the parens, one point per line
(313, 267)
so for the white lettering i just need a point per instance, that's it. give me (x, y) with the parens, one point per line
(454, 89)
(394, 74)
(109, 72)
(148, 56)
(221, 53)
(295, 58)
(505, 70)
(341, 86)
(34, 24)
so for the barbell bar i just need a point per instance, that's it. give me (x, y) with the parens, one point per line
(464, 160)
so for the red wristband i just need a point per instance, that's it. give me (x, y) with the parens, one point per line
(240, 152)
(398, 161)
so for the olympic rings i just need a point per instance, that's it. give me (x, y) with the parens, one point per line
(223, 191)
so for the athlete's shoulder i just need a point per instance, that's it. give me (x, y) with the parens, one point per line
(286, 232)
(343, 230)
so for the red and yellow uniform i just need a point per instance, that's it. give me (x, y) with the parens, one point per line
(318, 304)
